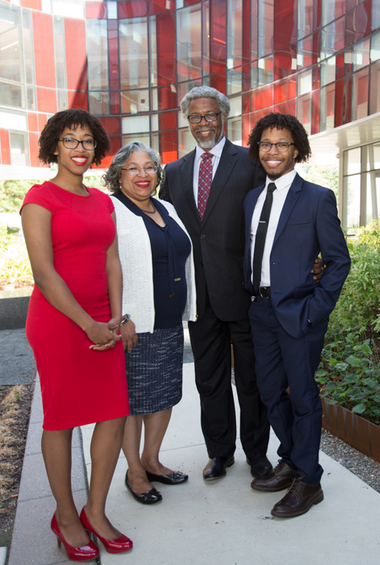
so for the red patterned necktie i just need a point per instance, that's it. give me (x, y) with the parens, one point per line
(204, 182)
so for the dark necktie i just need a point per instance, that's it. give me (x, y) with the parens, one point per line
(260, 237)
(204, 182)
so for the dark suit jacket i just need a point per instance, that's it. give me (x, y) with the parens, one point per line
(308, 225)
(219, 240)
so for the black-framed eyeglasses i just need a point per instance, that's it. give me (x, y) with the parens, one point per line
(281, 147)
(209, 117)
(72, 143)
(134, 171)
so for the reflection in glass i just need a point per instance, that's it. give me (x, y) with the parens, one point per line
(135, 124)
(134, 101)
(12, 94)
(375, 47)
(143, 137)
(28, 46)
(372, 181)
(133, 41)
(360, 55)
(332, 9)
(304, 111)
(11, 59)
(18, 145)
(351, 195)
(234, 81)
(265, 27)
(360, 95)
(328, 71)
(99, 102)
(189, 54)
(97, 54)
(234, 34)
(327, 108)
(351, 161)
(234, 130)
(305, 18)
(59, 45)
(31, 97)
(265, 70)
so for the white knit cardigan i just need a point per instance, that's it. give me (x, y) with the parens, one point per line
(136, 262)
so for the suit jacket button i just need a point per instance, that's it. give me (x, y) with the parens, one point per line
(203, 236)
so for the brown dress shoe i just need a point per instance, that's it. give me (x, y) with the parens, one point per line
(281, 477)
(298, 500)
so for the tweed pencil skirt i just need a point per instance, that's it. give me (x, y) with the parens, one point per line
(154, 371)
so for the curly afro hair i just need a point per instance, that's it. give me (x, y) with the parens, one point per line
(280, 121)
(67, 119)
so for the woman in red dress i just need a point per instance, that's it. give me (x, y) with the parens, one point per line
(73, 325)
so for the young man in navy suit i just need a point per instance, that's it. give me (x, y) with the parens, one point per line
(288, 222)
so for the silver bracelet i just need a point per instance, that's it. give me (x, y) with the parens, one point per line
(125, 319)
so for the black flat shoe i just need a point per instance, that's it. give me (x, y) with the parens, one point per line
(150, 497)
(175, 478)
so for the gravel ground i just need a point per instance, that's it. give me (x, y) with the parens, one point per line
(360, 465)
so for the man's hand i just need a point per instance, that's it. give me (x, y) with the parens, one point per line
(317, 269)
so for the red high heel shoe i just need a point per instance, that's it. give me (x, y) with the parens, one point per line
(118, 545)
(85, 553)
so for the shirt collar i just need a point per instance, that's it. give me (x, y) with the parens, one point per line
(284, 181)
(216, 150)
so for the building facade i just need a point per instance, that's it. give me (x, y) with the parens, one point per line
(130, 63)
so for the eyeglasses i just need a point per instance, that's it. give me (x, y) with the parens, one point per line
(72, 143)
(134, 171)
(281, 147)
(209, 117)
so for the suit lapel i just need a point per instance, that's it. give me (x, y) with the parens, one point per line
(187, 169)
(226, 165)
(291, 199)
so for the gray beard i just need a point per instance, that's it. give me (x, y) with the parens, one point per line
(212, 142)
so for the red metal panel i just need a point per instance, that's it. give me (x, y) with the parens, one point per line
(132, 9)
(76, 58)
(262, 98)
(167, 120)
(32, 122)
(5, 150)
(316, 77)
(218, 35)
(77, 99)
(157, 6)
(42, 119)
(46, 100)
(285, 90)
(338, 121)
(166, 55)
(43, 51)
(33, 150)
(285, 62)
(219, 82)
(317, 14)
(96, 10)
(167, 98)
(168, 146)
(115, 102)
(34, 4)
(111, 125)
(285, 23)
(286, 108)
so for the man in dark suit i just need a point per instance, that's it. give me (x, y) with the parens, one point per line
(288, 222)
(222, 303)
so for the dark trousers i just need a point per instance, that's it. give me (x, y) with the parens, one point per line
(211, 343)
(283, 361)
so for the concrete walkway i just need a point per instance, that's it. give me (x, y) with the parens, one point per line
(226, 523)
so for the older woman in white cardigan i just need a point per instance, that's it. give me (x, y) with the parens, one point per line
(158, 294)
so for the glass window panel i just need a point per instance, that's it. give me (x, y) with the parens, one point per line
(332, 39)
(111, 10)
(28, 46)
(304, 111)
(305, 53)
(374, 94)
(12, 94)
(97, 52)
(265, 70)
(134, 101)
(31, 97)
(153, 51)
(360, 95)
(262, 98)
(265, 27)
(12, 120)
(185, 142)
(168, 146)
(304, 82)
(375, 47)
(285, 23)
(189, 54)
(154, 122)
(352, 161)
(327, 108)
(358, 22)
(135, 124)
(167, 120)
(254, 34)
(166, 49)
(285, 62)
(373, 156)
(154, 95)
(133, 41)
(375, 15)
(205, 37)
(331, 10)
(360, 56)
(305, 17)
(11, 60)
(234, 33)
(59, 44)
(372, 182)
(285, 90)
(235, 104)
(182, 123)
(327, 71)
(234, 81)
(143, 137)
(234, 130)
(351, 194)
(19, 151)
(113, 53)
(62, 99)
(99, 102)
(184, 87)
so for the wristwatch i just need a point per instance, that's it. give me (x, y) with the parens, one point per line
(125, 319)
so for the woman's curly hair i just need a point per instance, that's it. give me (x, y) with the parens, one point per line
(67, 119)
(113, 175)
(280, 121)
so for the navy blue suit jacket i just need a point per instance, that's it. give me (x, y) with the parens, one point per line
(308, 225)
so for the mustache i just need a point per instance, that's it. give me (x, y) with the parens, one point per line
(207, 128)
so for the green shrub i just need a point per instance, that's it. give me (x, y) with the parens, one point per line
(14, 261)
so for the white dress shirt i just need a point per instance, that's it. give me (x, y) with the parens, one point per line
(216, 152)
(279, 196)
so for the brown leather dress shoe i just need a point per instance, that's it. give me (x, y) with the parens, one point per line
(281, 477)
(216, 468)
(298, 500)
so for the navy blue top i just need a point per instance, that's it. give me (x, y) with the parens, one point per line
(170, 248)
